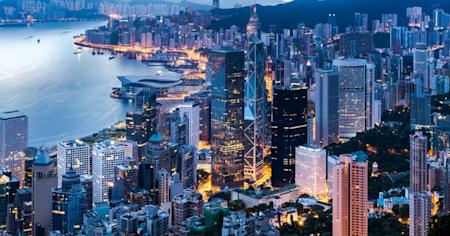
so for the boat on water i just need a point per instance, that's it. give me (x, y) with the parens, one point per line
(111, 57)
(78, 51)
(159, 73)
(38, 41)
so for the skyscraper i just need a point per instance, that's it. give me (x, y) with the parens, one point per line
(44, 179)
(327, 107)
(418, 146)
(356, 95)
(421, 70)
(350, 195)
(420, 106)
(105, 157)
(253, 24)
(227, 116)
(289, 130)
(190, 114)
(256, 122)
(74, 155)
(68, 204)
(311, 170)
(13, 139)
(420, 208)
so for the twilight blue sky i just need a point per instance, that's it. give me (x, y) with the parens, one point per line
(231, 3)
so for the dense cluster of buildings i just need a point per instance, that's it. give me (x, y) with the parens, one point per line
(272, 103)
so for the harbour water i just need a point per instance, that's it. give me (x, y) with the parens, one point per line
(65, 95)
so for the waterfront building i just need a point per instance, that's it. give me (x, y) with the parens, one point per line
(311, 170)
(326, 107)
(74, 155)
(105, 157)
(44, 180)
(68, 204)
(350, 195)
(190, 114)
(420, 208)
(356, 95)
(255, 113)
(418, 162)
(226, 68)
(289, 130)
(13, 139)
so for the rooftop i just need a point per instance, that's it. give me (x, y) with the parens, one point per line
(6, 115)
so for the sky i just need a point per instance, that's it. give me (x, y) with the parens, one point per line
(231, 3)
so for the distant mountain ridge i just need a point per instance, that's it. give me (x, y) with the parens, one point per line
(312, 12)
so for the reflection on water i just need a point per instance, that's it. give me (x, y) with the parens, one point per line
(65, 95)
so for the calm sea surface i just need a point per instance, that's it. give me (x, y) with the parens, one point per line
(65, 95)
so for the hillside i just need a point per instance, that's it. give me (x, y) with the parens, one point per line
(313, 11)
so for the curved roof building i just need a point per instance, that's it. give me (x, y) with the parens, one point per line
(155, 82)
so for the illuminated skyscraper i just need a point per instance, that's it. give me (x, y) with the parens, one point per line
(311, 170)
(289, 130)
(226, 68)
(253, 24)
(105, 157)
(74, 155)
(420, 208)
(13, 139)
(356, 96)
(256, 124)
(190, 115)
(68, 204)
(418, 147)
(350, 195)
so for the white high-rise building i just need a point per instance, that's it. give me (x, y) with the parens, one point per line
(105, 156)
(190, 110)
(13, 139)
(311, 170)
(420, 208)
(356, 96)
(73, 154)
(350, 195)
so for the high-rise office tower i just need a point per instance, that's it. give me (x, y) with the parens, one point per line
(353, 44)
(311, 170)
(356, 96)
(421, 70)
(86, 181)
(20, 214)
(256, 122)
(105, 157)
(68, 204)
(13, 139)
(204, 100)
(327, 107)
(74, 155)
(188, 172)
(420, 208)
(418, 148)
(8, 188)
(44, 180)
(289, 130)
(226, 68)
(126, 177)
(350, 195)
(190, 114)
(420, 106)
(253, 24)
